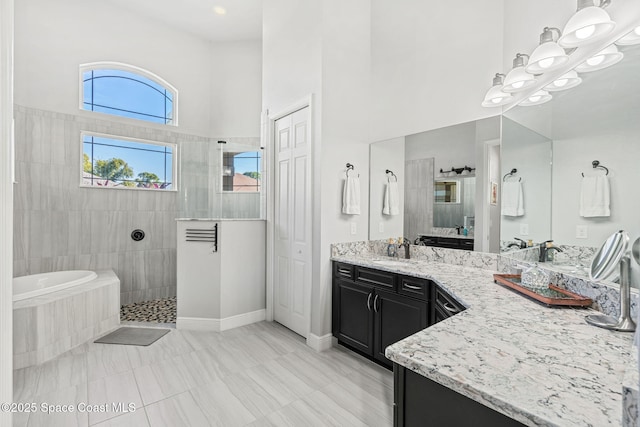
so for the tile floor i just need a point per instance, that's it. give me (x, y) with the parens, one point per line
(256, 375)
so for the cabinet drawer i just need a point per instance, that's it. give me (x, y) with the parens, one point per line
(446, 303)
(466, 244)
(342, 270)
(368, 276)
(414, 287)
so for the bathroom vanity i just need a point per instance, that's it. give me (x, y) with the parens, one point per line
(453, 241)
(504, 360)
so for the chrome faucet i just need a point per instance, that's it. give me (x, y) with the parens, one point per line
(544, 251)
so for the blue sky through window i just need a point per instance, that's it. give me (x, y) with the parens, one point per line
(127, 94)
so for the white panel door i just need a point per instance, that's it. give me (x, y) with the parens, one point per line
(292, 216)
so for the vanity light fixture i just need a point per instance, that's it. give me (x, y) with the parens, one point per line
(495, 96)
(564, 82)
(589, 24)
(630, 38)
(548, 55)
(518, 79)
(540, 97)
(603, 59)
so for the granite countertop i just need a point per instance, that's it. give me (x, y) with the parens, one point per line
(541, 366)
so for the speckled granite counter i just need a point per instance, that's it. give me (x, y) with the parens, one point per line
(541, 366)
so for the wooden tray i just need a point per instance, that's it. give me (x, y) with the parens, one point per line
(554, 296)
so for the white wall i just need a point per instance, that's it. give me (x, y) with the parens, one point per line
(52, 39)
(6, 208)
(236, 88)
(530, 154)
(621, 157)
(452, 146)
(386, 155)
(432, 63)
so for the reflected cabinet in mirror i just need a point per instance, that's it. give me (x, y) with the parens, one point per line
(444, 177)
(578, 158)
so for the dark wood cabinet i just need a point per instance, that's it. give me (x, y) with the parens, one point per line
(444, 305)
(373, 309)
(419, 401)
(447, 242)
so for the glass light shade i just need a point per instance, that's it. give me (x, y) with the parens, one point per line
(540, 97)
(564, 82)
(630, 38)
(547, 57)
(603, 59)
(517, 80)
(495, 97)
(586, 26)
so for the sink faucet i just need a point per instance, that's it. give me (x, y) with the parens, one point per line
(406, 243)
(545, 247)
(521, 245)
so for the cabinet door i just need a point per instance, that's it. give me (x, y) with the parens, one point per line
(396, 317)
(355, 315)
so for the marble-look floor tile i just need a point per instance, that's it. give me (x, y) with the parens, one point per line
(312, 414)
(221, 406)
(314, 375)
(70, 396)
(162, 380)
(112, 359)
(170, 345)
(179, 410)
(113, 390)
(257, 400)
(62, 372)
(25, 383)
(368, 409)
(132, 419)
(279, 382)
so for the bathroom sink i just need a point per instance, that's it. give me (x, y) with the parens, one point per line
(390, 262)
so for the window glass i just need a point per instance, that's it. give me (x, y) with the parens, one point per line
(112, 162)
(127, 94)
(241, 171)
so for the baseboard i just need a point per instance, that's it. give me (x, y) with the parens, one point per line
(198, 323)
(243, 319)
(217, 325)
(318, 343)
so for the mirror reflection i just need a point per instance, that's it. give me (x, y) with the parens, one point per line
(589, 190)
(444, 177)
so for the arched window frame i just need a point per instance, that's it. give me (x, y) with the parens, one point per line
(108, 65)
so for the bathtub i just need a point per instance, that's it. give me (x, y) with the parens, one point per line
(39, 284)
(55, 312)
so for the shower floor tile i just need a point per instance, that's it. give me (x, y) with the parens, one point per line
(157, 311)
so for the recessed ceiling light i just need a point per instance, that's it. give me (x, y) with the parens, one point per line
(219, 10)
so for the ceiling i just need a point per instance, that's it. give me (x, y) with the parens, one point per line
(242, 20)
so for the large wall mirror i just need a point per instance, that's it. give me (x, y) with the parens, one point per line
(553, 147)
(444, 179)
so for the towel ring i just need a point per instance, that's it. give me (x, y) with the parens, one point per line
(596, 164)
(350, 168)
(513, 172)
(387, 172)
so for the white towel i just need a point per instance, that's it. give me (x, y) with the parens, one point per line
(512, 198)
(351, 196)
(391, 204)
(594, 196)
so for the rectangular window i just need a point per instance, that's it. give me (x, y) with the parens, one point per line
(119, 162)
(241, 171)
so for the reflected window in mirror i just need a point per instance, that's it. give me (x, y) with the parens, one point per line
(447, 192)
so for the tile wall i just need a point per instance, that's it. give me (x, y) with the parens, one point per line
(60, 226)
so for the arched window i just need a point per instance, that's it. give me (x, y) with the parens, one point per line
(127, 91)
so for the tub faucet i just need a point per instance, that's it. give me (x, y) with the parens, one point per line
(545, 247)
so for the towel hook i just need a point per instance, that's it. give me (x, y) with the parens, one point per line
(596, 164)
(392, 174)
(513, 172)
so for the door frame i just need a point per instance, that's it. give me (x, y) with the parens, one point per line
(6, 206)
(268, 134)
(486, 206)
